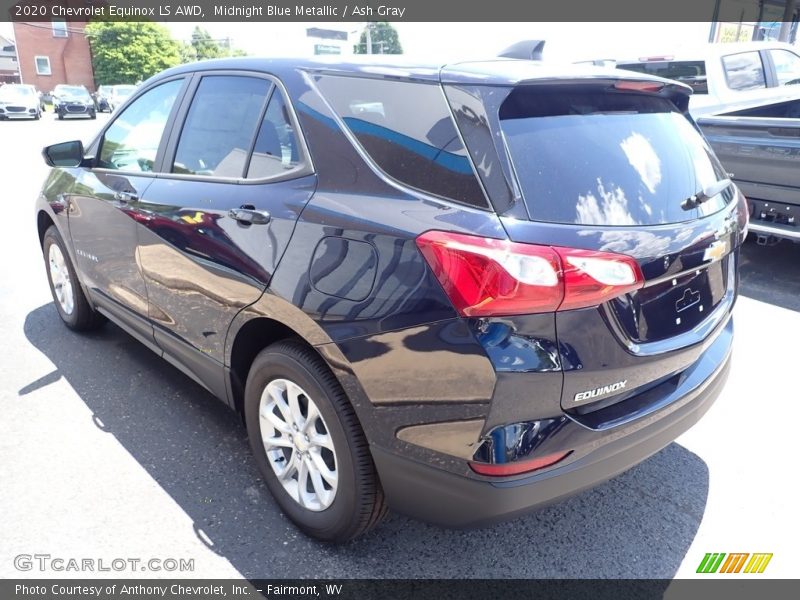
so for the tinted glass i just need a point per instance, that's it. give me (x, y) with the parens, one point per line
(787, 66)
(275, 151)
(407, 130)
(605, 159)
(690, 72)
(744, 71)
(132, 141)
(220, 126)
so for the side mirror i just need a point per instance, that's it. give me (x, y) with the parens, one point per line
(65, 154)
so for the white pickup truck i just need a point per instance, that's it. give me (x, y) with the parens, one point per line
(727, 77)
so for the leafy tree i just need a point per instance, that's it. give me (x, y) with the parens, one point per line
(207, 47)
(385, 40)
(130, 51)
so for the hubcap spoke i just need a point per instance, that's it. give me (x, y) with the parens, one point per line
(302, 458)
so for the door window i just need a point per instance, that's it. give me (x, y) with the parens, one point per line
(220, 127)
(131, 142)
(744, 71)
(275, 151)
(787, 66)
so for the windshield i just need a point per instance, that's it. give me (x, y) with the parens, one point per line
(8, 92)
(607, 158)
(71, 92)
(124, 91)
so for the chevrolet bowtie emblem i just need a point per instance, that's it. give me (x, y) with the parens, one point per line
(716, 250)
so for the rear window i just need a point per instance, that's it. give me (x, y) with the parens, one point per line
(690, 72)
(407, 129)
(606, 158)
(744, 71)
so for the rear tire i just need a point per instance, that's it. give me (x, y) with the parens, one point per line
(340, 497)
(71, 303)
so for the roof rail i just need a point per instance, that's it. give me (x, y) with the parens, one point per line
(525, 50)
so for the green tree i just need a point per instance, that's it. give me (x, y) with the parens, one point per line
(130, 51)
(385, 39)
(207, 47)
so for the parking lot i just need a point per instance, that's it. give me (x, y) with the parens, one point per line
(106, 451)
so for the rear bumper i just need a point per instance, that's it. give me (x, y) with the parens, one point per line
(431, 494)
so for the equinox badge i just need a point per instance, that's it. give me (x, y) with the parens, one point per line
(601, 391)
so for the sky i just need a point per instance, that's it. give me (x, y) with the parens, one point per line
(460, 41)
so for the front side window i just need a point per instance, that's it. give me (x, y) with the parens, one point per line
(787, 66)
(131, 142)
(744, 71)
(407, 129)
(43, 65)
(221, 125)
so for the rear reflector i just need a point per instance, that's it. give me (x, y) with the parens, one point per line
(491, 277)
(517, 468)
(639, 86)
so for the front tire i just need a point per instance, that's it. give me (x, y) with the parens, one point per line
(309, 445)
(71, 303)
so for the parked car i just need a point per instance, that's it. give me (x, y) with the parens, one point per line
(120, 93)
(73, 101)
(19, 101)
(760, 147)
(461, 291)
(725, 77)
(102, 98)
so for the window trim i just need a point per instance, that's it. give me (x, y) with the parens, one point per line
(97, 143)
(376, 168)
(58, 31)
(764, 70)
(305, 165)
(49, 66)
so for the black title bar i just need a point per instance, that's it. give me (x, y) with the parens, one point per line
(395, 10)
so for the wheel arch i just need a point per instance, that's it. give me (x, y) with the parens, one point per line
(272, 319)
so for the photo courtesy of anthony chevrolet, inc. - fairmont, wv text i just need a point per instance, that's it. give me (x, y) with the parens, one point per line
(399, 299)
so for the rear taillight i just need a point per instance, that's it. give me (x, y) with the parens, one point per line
(490, 277)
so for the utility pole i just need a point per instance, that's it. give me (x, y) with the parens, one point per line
(786, 25)
(369, 38)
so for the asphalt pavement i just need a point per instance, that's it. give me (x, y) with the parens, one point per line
(108, 452)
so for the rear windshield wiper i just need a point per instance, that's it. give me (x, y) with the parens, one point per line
(706, 194)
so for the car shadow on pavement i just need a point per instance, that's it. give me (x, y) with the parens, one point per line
(639, 525)
(771, 273)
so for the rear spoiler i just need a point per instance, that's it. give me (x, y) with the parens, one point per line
(525, 50)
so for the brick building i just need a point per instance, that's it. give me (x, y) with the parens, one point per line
(54, 52)
(9, 68)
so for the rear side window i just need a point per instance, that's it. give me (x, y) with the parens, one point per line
(605, 158)
(276, 149)
(690, 72)
(407, 129)
(220, 127)
(744, 71)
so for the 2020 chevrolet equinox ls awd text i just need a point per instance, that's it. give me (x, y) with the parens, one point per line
(459, 291)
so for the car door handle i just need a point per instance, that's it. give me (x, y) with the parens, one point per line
(250, 216)
(125, 197)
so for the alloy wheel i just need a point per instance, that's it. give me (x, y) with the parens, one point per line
(298, 444)
(59, 276)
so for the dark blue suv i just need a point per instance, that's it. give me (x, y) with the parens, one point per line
(459, 291)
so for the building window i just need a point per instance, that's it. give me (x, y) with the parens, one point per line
(60, 28)
(43, 65)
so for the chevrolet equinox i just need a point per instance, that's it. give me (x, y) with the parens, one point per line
(460, 291)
